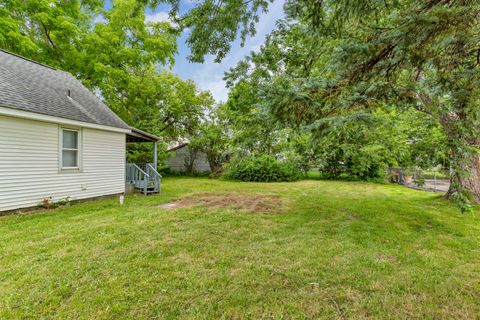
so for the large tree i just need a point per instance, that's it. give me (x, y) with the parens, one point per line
(352, 56)
(360, 54)
(422, 54)
(57, 27)
(86, 39)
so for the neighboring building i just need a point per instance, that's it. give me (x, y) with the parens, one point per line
(57, 139)
(184, 159)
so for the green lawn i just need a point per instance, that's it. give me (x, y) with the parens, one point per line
(375, 251)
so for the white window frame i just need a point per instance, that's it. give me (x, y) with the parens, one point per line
(79, 150)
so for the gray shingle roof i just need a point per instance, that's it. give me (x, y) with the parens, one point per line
(30, 86)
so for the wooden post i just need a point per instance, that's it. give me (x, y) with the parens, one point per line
(145, 184)
(155, 156)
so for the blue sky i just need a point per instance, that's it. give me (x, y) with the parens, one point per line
(208, 75)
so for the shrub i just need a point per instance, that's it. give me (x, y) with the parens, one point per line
(167, 172)
(48, 203)
(262, 168)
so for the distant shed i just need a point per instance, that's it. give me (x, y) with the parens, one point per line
(184, 159)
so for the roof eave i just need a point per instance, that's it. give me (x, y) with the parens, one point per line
(137, 135)
(12, 112)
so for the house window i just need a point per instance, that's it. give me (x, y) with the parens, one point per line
(70, 142)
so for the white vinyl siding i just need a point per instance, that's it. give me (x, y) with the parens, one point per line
(30, 157)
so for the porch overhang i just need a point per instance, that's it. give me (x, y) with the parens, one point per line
(137, 135)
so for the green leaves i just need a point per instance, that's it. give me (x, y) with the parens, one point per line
(403, 53)
(213, 25)
(261, 168)
(64, 34)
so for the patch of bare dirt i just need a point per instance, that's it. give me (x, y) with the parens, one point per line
(170, 205)
(240, 202)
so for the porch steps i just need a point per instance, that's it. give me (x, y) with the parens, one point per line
(143, 177)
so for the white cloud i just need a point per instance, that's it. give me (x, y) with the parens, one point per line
(99, 19)
(160, 16)
(217, 88)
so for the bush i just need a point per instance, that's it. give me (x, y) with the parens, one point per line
(262, 168)
(167, 172)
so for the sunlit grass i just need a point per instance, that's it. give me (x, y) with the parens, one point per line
(375, 251)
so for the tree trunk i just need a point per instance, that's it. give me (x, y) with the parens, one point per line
(190, 161)
(467, 179)
(215, 165)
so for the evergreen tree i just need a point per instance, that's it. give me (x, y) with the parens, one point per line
(357, 55)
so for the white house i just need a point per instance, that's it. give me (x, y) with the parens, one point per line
(58, 140)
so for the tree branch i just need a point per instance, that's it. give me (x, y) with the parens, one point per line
(47, 34)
